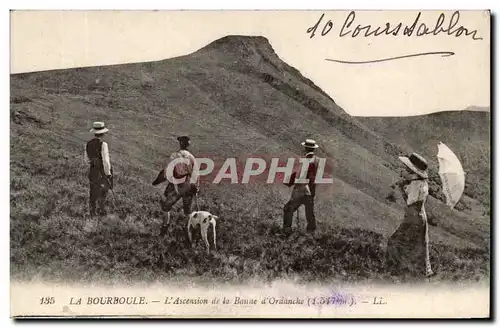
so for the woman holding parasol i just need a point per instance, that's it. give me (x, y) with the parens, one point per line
(408, 246)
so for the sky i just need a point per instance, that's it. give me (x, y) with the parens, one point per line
(45, 40)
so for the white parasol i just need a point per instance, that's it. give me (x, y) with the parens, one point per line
(451, 173)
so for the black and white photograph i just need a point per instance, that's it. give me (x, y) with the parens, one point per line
(250, 164)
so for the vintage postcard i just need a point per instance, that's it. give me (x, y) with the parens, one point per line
(250, 164)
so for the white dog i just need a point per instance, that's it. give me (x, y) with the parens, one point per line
(203, 219)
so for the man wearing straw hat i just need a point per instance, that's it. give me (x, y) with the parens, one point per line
(303, 193)
(100, 171)
(187, 189)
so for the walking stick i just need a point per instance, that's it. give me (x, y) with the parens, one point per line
(114, 198)
(112, 193)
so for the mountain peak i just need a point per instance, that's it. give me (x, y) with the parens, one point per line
(240, 44)
(238, 40)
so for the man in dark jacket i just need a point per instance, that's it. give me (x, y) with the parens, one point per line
(100, 171)
(303, 193)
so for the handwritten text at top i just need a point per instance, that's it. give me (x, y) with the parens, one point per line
(350, 28)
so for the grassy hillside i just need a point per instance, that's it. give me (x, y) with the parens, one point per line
(234, 97)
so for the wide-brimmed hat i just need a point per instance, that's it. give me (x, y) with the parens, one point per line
(99, 128)
(416, 163)
(309, 143)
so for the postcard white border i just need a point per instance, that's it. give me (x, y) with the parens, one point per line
(145, 4)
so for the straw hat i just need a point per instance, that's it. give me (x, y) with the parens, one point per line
(416, 163)
(309, 143)
(99, 128)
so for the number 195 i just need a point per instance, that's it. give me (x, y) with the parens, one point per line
(47, 300)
